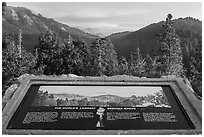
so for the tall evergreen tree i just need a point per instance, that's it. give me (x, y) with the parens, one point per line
(111, 59)
(69, 56)
(104, 57)
(196, 70)
(136, 64)
(123, 66)
(170, 61)
(48, 53)
(7, 41)
(83, 65)
(151, 67)
(14, 65)
(97, 62)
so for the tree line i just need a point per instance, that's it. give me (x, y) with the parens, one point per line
(43, 98)
(54, 56)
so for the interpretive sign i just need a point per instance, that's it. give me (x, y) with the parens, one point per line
(100, 106)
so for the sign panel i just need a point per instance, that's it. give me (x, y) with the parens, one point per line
(95, 107)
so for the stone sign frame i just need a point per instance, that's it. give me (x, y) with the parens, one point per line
(191, 104)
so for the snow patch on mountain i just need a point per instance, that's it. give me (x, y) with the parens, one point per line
(29, 20)
(34, 12)
(91, 31)
(44, 26)
(14, 14)
(63, 28)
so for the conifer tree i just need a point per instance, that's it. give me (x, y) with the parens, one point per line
(148, 65)
(48, 53)
(97, 53)
(69, 56)
(123, 66)
(170, 61)
(6, 40)
(136, 64)
(14, 65)
(151, 66)
(83, 61)
(111, 59)
(104, 57)
(196, 70)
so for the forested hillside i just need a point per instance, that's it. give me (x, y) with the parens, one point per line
(172, 47)
(33, 24)
(188, 29)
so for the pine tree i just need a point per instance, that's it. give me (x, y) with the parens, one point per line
(196, 70)
(97, 51)
(136, 64)
(170, 61)
(123, 66)
(83, 61)
(104, 57)
(7, 41)
(111, 59)
(69, 56)
(48, 53)
(148, 65)
(151, 67)
(14, 65)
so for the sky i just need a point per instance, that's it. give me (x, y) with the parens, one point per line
(126, 91)
(111, 17)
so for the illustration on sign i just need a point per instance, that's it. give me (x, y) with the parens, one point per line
(100, 112)
(101, 96)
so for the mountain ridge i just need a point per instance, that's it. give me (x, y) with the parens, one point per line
(33, 25)
(145, 38)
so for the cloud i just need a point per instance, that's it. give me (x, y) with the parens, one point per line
(109, 17)
(104, 10)
(101, 25)
(88, 13)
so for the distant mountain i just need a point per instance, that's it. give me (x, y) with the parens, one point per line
(91, 31)
(101, 98)
(118, 35)
(108, 98)
(145, 38)
(156, 100)
(68, 96)
(33, 24)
